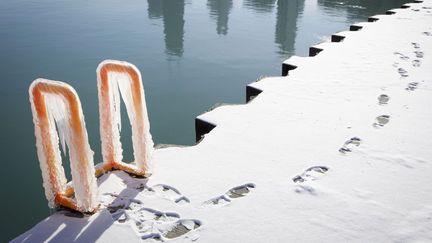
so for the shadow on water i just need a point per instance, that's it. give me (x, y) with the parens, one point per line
(172, 13)
(219, 11)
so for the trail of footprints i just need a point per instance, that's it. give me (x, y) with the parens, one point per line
(149, 223)
(383, 99)
(380, 121)
(153, 225)
(315, 172)
(416, 62)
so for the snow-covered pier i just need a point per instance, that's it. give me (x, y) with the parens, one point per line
(339, 150)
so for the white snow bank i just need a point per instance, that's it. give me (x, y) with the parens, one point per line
(338, 151)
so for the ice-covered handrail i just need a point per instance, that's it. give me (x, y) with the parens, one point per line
(56, 104)
(117, 78)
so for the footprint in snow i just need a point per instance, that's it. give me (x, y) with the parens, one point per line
(419, 54)
(150, 224)
(169, 193)
(124, 209)
(381, 121)
(233, 193)
(174, 230)
(180, 228)
(383, 99)
(311, 174)
(415, 45)
(240, 191)
(416, 63)
(147, 214)
(401, 56)
(412, 86)
(403, 73)
(161, 190)
(157, 230)
(427, 33)
(154, 225)
(347, 147)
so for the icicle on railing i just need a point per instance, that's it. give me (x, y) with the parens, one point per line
(123, 80)
(57, 104)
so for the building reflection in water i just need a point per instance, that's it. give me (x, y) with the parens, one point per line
(220, 10)
(154, 9)
(172, 12)
(288, 12)
(259, 6)
(359, 10)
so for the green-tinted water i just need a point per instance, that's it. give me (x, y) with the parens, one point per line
(192, 54)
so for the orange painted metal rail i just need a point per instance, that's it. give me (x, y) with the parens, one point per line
(57, 113)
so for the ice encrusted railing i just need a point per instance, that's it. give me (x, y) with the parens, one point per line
(58, 118)
(121, 79)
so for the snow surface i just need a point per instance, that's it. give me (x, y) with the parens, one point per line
(340, 150)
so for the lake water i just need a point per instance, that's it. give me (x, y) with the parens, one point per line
(192, 54)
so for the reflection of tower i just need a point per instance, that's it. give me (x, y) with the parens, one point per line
(154, 9)
(172, 12)
(286, 24)
(259, 5)
(219, 10)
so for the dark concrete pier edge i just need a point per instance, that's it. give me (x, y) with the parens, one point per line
(201, 128)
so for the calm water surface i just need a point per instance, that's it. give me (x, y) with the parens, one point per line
(192, 54)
